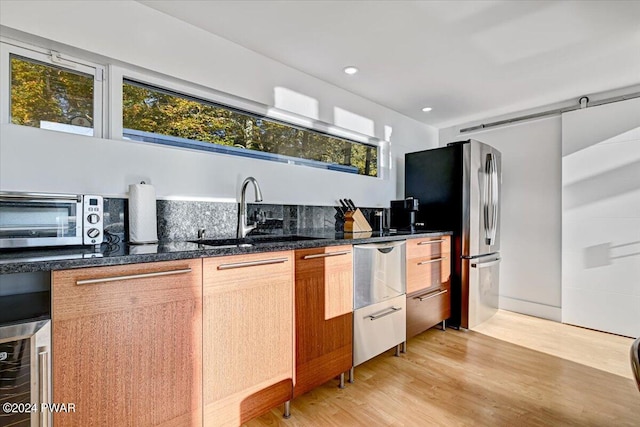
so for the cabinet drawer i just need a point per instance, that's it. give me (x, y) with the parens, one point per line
(427, 308)
(378, 327)
(428, 247)
(424, 273)
(86, 292)
(379, 271)
(332, 268)
(237, 271)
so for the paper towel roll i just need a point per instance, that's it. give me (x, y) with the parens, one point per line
(142, 214)
(143, 249)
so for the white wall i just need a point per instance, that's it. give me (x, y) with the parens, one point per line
(49, 161)
(130, 33)
(530, 273)
(601, 218)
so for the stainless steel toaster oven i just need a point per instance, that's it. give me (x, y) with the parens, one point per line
(44, 219)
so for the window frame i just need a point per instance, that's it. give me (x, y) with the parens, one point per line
(56, 59)
(109, 76)
(235, 103)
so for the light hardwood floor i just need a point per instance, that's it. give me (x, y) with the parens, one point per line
(598, 350)
(460, 378)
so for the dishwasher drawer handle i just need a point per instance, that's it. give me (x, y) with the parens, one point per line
(382, 245)
(486, 264)
(386, 313)
(133, 276)
(431, 294)
(328, 254)
(429, 261)
(430, 242)
(252, 263)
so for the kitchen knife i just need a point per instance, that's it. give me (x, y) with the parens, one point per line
(345, 205)
(351, 204)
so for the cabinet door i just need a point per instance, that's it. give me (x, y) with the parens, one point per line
(428, 262)
(127, 344)
(324, 321)
(248, 336)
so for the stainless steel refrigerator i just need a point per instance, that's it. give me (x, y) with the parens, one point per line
(459, 188)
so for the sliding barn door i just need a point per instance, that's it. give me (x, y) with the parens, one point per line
(601, 218)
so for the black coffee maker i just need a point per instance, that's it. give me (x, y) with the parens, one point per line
(403, 214)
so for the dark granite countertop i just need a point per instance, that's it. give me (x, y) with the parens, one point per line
(24, 261)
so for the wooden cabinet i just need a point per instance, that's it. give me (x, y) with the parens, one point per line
(324, 320)
(219, 341)
(248, 335)
(428, 282)
(428, 262)
(127, 344)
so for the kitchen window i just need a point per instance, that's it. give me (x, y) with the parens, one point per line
(158, 115)
(52, 91)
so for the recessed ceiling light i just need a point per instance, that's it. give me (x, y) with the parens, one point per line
(351, 70)
(427, 109)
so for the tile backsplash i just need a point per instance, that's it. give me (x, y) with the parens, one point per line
(180, 220)
(291, 219)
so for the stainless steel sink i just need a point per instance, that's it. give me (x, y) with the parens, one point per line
(253, 240)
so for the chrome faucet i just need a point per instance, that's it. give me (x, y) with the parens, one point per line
(243, 227)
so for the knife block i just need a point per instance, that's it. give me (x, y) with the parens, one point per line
(355, 222)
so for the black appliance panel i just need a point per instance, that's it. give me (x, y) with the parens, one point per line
(435, 178)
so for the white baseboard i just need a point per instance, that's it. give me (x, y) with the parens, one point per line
(531, 308)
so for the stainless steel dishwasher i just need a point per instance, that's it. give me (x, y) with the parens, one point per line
(379, 317)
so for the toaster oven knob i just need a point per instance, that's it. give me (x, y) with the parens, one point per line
(93, 233)
(93, 218)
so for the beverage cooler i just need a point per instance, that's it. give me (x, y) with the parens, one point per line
(25, 380)
(25, 349)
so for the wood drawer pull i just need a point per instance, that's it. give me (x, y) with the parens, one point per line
(326, 255)
(432, 294)
(132, 276)
(429, 261)
(430, 242)
(252, 263)
(385, 313)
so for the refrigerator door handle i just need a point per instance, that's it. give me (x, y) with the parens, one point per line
(486, 264)
(487, 198)
(490, 199)
(494, 200)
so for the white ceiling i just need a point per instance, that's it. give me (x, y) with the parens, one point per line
(469, 60)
